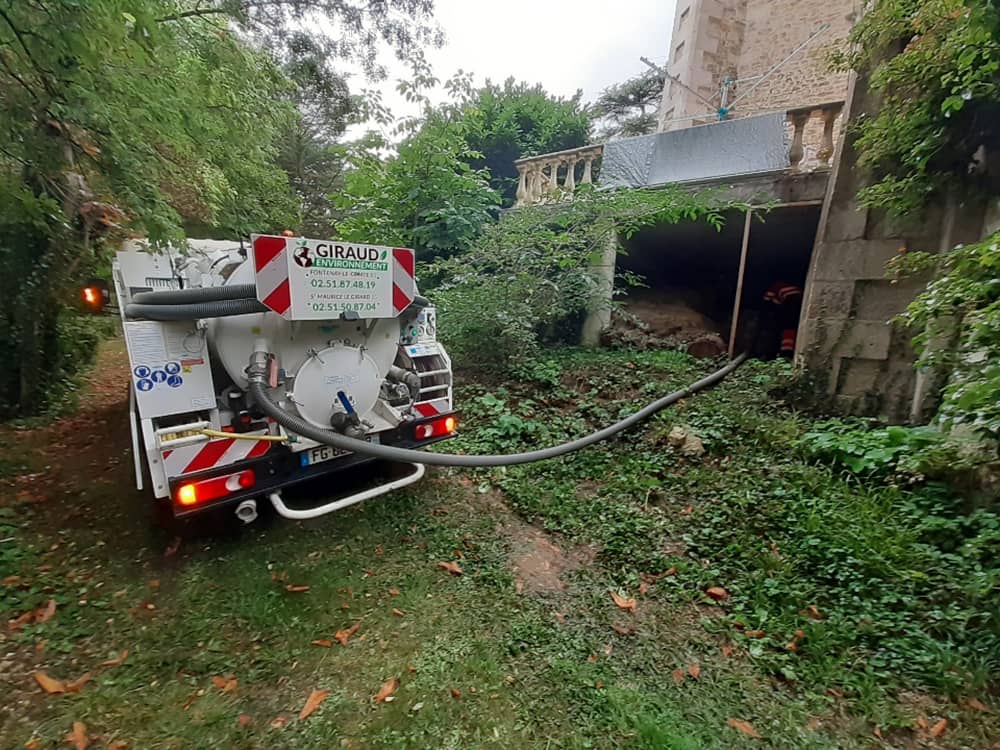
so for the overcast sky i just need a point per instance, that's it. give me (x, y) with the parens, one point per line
(563, 44)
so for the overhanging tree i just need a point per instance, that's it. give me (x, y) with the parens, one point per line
(137, 115)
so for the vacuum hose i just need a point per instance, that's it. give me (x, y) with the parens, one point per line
(257, 374)
(195, 310)
(196, 294)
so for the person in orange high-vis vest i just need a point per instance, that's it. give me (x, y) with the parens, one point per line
(787, 299)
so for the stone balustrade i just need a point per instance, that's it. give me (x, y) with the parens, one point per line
(814, 132)
(547, 177)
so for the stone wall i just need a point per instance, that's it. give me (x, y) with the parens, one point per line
(704, 49)
(861, 359)
(773, 29)
(716, 39)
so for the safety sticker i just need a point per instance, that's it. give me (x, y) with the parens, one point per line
(175, 381)
(144, 385)
(141, 371)
(158, 376)
(172, 368)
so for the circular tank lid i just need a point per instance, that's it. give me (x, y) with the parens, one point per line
(327, 374)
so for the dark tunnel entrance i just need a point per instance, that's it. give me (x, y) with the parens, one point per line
(692, 276)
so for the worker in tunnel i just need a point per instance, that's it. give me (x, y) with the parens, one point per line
(784, 301)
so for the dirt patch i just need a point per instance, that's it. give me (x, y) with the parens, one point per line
(539, 564)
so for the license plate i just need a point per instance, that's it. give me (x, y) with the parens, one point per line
(322, 453)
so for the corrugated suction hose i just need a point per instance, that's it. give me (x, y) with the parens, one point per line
(293, 423)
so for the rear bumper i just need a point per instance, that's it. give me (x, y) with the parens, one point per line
(280, 468)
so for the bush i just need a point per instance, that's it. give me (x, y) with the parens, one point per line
(863, 447)
(529, 277)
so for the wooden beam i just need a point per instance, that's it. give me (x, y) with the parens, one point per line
(739, 284)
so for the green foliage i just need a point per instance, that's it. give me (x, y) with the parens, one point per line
(505, 123)
(426, 196)
(629, 108)
(529, 278)
(901, 579)
(147, 116)
(866, 448)
(958, 319)
(937, 65)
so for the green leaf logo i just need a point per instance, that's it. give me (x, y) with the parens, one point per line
(384, 253)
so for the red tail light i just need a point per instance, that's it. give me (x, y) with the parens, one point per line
(436, 428)
(196, 493)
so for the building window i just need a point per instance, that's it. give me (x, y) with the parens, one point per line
(683, 17)
(678, 51)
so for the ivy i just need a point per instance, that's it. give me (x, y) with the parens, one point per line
(958, 317)
(936, 66)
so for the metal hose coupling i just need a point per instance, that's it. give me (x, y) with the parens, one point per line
(260, 363)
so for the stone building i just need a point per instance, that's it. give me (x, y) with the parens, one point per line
(781, 152)
(722, 50)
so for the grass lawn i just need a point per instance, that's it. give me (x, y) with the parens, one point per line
(762, 601)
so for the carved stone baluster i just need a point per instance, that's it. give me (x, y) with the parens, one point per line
(552, 185)
(522, 184)
(536, 182)
(587, 174)
(825, 152)
(797, 150)
(570, 182)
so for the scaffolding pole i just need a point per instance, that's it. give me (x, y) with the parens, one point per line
(737, 302)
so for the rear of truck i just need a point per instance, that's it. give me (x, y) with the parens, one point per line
(350, 347)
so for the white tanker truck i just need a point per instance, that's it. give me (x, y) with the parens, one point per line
(336, 334)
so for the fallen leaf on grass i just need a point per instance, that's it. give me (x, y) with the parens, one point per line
(312, 703)
(813, 611)
(623, 629)
(322, 642)
(560, 617)
(46, 613)
(388, 688)
(296, 589)
(33, 744)
(411, 669)
(622, 602)
(279, 721)
(244, 720)
(342, 636)
(49, 684)
(877, 731)
(975, 704)
(15, 624)
(938, 729)
(643, 588)
(694, 670)
(398, 612)
(78, 737)
(154, 584)
(716, 593)
(727, 650)
(743, 726)
(225, 684)
(451, 567)
(117, 660)
(455, 693)
(11, 580)
(754, 633)
(117, 745)
(79, 682)
(678, 676)
(393, 592)
(922, 724)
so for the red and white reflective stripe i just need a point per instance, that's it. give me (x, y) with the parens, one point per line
(433, 408)
(788, 340)
(188, 459)
(403, 284)
(270, 263)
